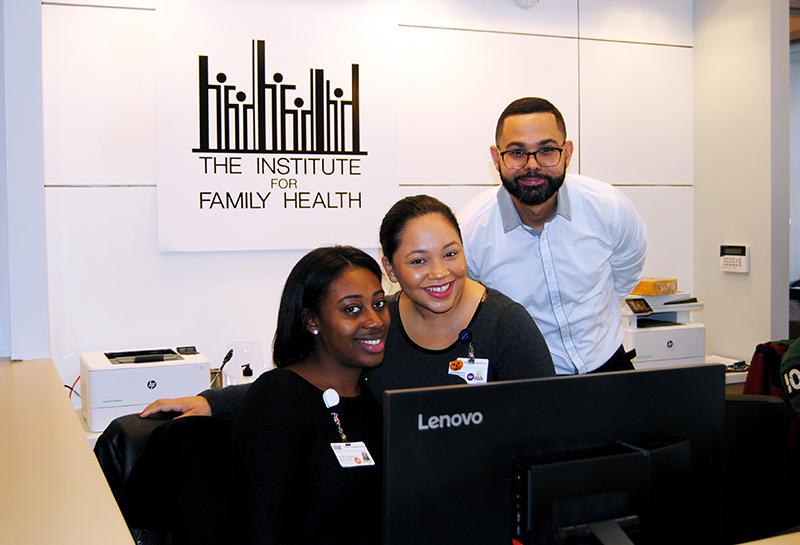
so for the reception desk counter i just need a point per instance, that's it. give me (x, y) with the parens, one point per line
(51, 489)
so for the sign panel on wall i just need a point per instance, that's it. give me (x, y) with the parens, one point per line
(275, 124)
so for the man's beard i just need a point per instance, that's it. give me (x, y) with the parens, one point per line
(532, 195)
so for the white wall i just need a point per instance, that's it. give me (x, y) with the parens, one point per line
(111, 288)
(794, 168)
(741, 126)
(5, 316)
(23, 280)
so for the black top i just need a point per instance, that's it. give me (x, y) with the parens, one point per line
(290, 486)
(502, 331)
(225, 401)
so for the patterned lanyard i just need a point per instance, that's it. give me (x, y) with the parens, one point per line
(339, 426)
(331, 398)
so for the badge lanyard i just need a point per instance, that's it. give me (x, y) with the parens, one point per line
(331, 398)
(465, 336)
(471, 369)
(339, 426)
(348, 454)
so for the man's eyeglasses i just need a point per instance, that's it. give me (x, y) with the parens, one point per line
(546, 156)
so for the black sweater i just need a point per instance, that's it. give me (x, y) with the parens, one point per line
(502, 331)
(290, 486)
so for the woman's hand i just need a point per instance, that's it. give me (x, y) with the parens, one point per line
(187, 406)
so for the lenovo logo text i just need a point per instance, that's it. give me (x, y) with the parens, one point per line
(449, 420)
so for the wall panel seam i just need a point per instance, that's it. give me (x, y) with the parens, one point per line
(61, 186)
(538, 35)
(435, 184)
(102, 6)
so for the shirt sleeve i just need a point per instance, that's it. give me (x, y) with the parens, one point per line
(268, 447)
(630, 247)
(469, 252)
(522, 351)
(472, 270)
(224, 402)
(469, 220)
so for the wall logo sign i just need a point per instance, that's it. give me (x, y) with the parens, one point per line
(262, 137)
(262, 119)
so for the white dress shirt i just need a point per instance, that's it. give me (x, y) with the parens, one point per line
(572, 275)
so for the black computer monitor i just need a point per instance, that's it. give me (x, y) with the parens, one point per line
(550, 460)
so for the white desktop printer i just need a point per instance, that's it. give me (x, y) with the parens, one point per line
(118, 383)
(661, 330)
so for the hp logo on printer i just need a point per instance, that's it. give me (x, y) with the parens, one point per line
(151, 384)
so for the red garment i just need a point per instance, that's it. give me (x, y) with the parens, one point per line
(764, 378)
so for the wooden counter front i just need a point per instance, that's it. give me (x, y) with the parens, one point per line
(52, 490)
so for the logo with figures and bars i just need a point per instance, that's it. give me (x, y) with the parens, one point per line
(269, 117)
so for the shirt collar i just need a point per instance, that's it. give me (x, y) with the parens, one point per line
(510, 216)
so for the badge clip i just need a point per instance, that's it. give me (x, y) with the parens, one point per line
(465, 336)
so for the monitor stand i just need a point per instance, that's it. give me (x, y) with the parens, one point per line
(608, 532)
(602, 532)
(622, 486)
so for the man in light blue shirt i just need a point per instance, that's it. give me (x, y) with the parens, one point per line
(569, 248)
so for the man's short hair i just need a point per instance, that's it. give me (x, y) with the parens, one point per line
(530, 105)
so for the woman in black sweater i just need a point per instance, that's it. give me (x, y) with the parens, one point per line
(297, 480)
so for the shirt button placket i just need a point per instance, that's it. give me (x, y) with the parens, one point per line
(555, 301)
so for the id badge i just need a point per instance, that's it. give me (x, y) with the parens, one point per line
(473, 373)
(352, 454)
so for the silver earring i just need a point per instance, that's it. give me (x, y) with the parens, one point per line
(315, 331)
(393, 278)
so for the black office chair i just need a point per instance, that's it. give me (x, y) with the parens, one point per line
(172, 478)
(121, 444)
(758, 467)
